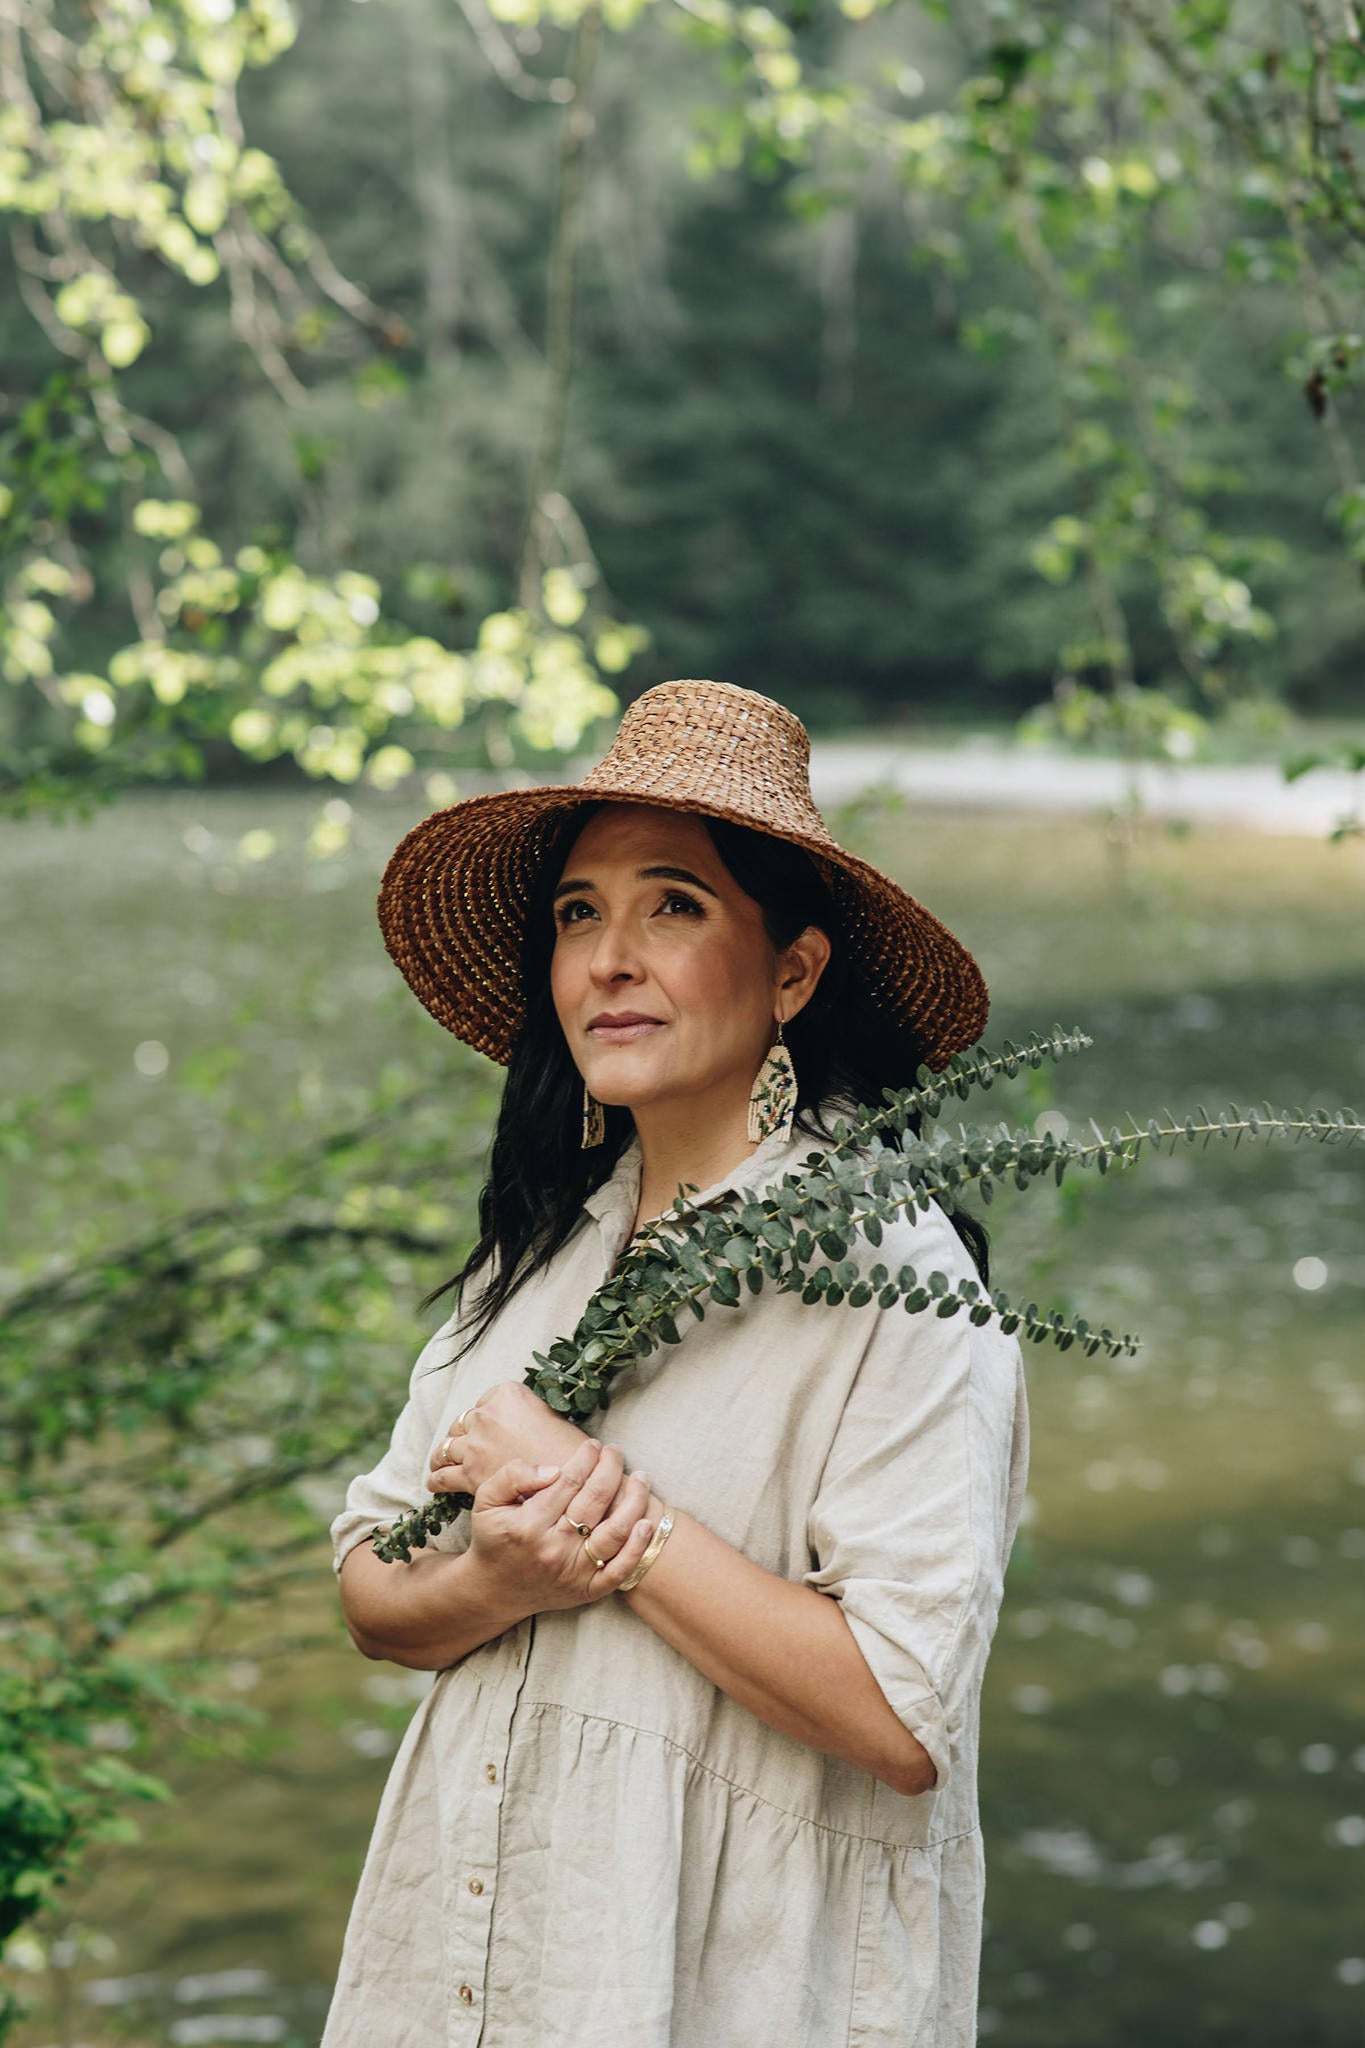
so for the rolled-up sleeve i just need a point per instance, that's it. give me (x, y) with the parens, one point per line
(397, 1484)
(920, 1496)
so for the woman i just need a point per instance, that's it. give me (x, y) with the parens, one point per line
(698, 1765)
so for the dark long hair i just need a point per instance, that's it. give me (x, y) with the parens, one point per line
(841, 1044)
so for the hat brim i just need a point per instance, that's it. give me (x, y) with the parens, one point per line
(454, 896)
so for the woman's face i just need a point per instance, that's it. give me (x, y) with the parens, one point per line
(649, 923)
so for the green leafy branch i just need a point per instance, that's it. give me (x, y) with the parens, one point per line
(800, 1233)
(1342, 754)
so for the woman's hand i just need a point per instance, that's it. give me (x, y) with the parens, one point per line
(522, 1537)
(507, 1421)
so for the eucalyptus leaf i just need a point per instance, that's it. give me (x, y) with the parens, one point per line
(844, 1196)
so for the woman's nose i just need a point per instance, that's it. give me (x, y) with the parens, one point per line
(614, 954)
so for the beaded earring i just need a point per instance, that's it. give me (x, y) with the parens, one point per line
(594, 1120)
(772, 1099)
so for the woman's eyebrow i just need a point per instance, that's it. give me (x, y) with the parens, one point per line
(642, 874)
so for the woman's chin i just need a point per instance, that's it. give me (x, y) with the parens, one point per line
(625, 1084)
(622, 1095)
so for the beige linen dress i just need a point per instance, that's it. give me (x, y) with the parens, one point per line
(583, 1842)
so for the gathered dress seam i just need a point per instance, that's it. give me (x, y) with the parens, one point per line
(844, 1834)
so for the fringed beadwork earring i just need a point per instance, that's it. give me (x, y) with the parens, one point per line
(594, 1120)
(772, 1099)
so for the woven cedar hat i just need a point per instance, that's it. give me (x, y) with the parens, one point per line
(454, 896)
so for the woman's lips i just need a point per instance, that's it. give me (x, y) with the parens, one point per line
(617, 1034)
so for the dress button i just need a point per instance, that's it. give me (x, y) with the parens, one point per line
(466, 1994)
(476, 1884)
(490, 1772)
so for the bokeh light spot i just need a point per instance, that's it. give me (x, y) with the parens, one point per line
(1209, 1934)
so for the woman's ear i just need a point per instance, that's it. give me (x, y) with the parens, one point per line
(803, 962)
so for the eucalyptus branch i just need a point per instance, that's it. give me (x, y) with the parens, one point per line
(801, 1234)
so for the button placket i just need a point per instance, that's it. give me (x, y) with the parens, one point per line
(471, 1894)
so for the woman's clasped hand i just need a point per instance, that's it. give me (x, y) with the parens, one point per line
(522, 1523)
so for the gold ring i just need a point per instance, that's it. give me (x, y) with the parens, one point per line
(583, 1528)
(599, 1563)
(459, 1419)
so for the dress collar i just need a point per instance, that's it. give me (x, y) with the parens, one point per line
(614, 1203)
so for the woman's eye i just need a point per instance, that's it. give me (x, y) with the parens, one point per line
(565, 914)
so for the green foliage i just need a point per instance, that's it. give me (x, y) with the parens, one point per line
(51, 1807)
(1342, 755)
(218, 1365)
(804, 1234)
(125, 173)
(1090, 200)
(1088, 212)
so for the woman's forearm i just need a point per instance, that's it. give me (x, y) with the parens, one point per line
(427, 1613)
(781, 1649)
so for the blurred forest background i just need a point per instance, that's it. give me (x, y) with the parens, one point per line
(392, 390)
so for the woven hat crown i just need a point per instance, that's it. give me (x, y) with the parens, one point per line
(454, 898)
(715, 745)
